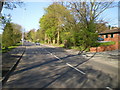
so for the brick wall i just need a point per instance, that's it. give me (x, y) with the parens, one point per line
(105, 48)
(116, 39)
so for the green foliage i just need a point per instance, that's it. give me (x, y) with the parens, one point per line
(60, 24)
(31, 35)
(16, 32)
(4, 50)
(97, 44)
(0, 38)
(75, 25)
(11, 35)
(53, 21)
(107, 43)
(7, 38)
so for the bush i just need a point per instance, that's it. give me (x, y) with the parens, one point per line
(103, 44)
(96, 44)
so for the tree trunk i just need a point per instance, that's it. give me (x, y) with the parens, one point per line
(48, 41)
(45, 38)
(58, 38)
(53, 41)
(1, 6)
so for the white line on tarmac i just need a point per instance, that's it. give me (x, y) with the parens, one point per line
(75, 68)
(109, 88)
(52, 54)
(66, 63)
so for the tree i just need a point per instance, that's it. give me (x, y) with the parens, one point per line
(11, 34)
(5, 19)
(1, 6)
(101, 27)
(10, 5)
(53, 22)
(7, 37)
(31, 35)
(40, 35)
(74, 23)
(17, 34)
(87, 14)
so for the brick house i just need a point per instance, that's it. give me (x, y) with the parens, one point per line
(109, 35)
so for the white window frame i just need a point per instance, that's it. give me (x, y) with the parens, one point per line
(106, 36)
(111, 35)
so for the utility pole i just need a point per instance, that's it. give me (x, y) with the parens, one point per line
(23, 37)
(119, 14)
(23, 32)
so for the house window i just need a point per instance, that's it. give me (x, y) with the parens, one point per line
(106, 36)
(112, 35)
(100, 35)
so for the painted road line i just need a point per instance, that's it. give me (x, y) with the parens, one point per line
(109, 88)
(66, 63)
(57, 57)
(75, 68)
(53, 54)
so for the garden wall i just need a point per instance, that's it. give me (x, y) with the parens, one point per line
(105, 48)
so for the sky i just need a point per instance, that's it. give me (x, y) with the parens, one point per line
(29, 15)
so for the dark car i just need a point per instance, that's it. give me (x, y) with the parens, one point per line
(100, 39)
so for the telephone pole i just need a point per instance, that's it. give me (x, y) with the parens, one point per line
(119, 14)
(23, 31)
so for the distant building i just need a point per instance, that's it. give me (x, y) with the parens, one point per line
(111, 35)
(108, 35)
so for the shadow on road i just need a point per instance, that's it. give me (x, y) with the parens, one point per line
(44, 63)
(63, 77)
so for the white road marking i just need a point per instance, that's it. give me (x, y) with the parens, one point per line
(109, 88)
(53, 54)
(75, 68)
(66, 63)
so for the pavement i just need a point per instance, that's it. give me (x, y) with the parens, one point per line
(10, 58)
(53, 67)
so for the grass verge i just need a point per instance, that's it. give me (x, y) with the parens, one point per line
(10, 48)
(106, 43)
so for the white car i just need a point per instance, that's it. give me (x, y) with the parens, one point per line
(37, 43)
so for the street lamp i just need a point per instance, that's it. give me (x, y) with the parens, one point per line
(23, 29)
(119, 14)
(23, 37)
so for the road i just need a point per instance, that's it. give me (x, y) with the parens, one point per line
(53, 67)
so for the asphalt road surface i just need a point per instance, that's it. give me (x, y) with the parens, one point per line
(53, 67)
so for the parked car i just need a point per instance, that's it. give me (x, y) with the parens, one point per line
(37, 43)
(100, 39)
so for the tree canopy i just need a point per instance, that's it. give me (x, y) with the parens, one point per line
(11, 34)
(72, 23)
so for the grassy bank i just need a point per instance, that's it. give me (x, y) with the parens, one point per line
(61, 45)
(106, 43)
(56, 45)
(4, 50)
(70, 47)
(97, 44)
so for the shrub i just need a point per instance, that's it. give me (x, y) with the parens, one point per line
(107, 43)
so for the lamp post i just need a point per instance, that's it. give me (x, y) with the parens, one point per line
(23, 29)
(23, 37)
(119, 14)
